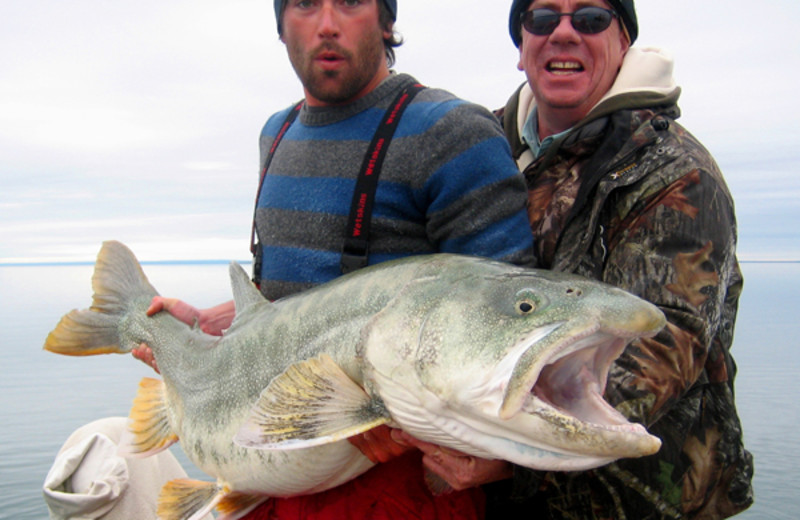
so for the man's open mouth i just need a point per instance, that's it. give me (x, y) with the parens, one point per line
(564, 67)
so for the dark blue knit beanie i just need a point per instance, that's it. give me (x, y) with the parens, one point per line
(390, 4)
(624, 8)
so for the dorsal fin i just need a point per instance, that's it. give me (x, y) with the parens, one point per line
(246, 296)
(245, 293)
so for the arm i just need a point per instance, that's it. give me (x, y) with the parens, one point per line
(686, 265)
(475, 198)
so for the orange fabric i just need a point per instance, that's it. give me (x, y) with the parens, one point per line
(394, 490)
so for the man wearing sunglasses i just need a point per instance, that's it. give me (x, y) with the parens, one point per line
(620, 192)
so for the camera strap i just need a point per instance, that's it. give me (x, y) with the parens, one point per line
(355, 250)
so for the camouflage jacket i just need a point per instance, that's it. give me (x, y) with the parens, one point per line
(629, 197)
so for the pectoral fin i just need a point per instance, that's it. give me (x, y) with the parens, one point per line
(149, 431)
(313, 402)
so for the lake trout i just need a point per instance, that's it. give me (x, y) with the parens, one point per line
(491, 359)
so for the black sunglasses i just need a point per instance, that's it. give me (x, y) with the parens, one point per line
(586, 20)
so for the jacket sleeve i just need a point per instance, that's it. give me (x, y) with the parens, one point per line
(676, 249)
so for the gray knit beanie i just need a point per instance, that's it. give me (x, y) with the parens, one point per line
(624, 8)
(279, 4)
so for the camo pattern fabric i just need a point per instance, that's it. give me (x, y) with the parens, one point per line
(634, 200)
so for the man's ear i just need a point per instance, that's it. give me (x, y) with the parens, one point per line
(624, 40)
(388, 31)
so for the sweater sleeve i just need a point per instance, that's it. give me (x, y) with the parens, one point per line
(476, 197)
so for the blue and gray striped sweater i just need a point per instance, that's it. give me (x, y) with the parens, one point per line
(448, 184)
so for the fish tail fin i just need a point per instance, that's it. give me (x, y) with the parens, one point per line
(149, 431)
(187, 499)
(119, 284)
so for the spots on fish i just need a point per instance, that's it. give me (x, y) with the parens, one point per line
(427, 355)
(219, 459)
(198, 453)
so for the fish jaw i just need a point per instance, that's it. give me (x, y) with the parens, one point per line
(562, 424)
(566, 408)
(560, 394)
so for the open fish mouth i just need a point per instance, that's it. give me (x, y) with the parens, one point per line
(571, 384)
(564, 389)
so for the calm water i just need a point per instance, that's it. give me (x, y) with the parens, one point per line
(45, 397)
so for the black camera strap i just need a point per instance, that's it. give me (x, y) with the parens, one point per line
(355, 251)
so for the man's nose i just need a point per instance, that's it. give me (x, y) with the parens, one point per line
(328, 22)
(564, 31)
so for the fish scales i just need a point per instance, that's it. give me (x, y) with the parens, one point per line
(495, 360)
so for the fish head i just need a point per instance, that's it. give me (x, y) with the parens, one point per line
(506, 362)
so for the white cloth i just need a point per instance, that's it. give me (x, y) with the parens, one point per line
(88, 480)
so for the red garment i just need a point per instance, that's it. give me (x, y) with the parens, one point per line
(395, 490)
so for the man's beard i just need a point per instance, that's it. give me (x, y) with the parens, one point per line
(361, 69)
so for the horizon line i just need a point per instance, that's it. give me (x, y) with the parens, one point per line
(53, 263)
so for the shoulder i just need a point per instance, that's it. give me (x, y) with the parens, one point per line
(434, 105)
(276, 120)
(677, 152)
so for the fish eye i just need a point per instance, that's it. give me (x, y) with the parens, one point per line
(526, 306)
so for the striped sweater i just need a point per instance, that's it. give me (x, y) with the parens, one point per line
(448, 184)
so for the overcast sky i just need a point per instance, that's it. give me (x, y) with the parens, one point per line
(139, 121)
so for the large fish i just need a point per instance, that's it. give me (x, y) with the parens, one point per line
(494, 360)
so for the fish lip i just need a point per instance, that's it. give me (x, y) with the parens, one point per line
(586, 367)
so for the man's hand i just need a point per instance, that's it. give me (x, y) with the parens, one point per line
(378, 444)
(145, 354)
(211, 321)
(458, 469)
